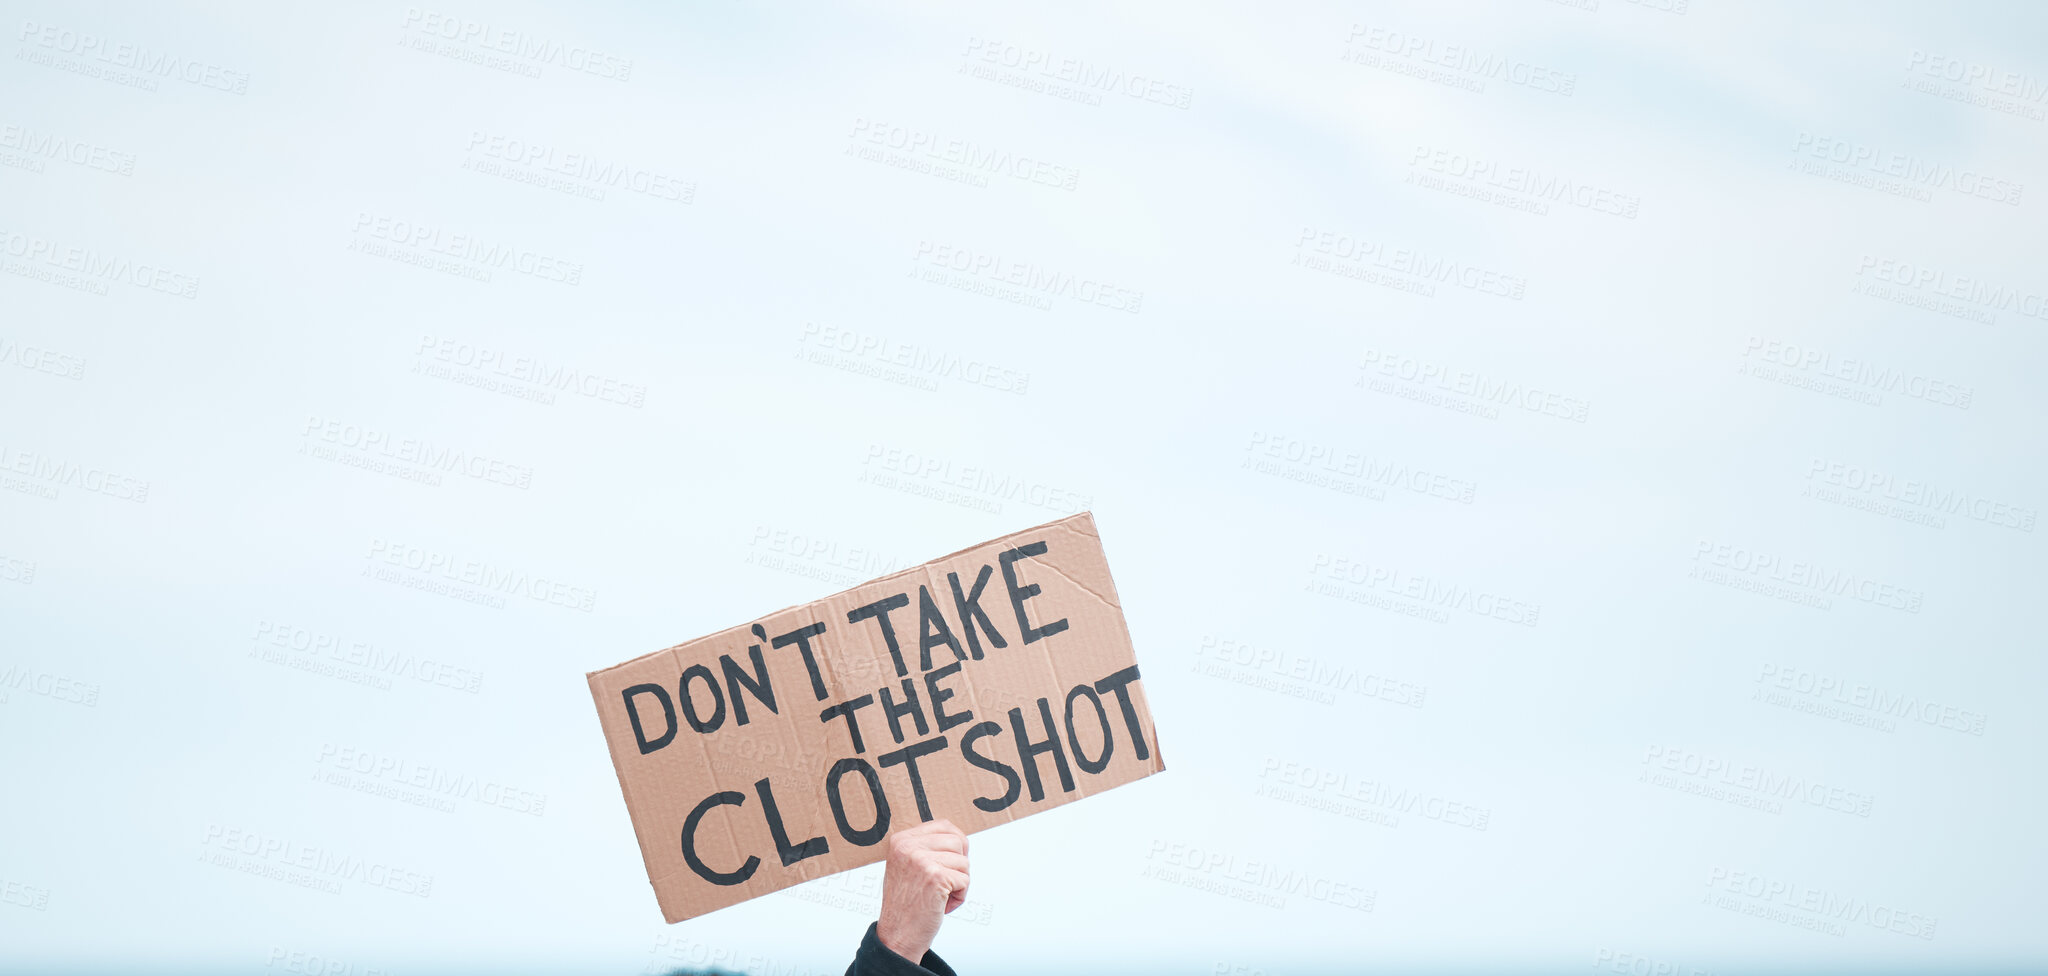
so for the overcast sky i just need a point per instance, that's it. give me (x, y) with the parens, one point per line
(1570, 469)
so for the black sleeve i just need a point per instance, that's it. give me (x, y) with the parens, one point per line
(876, 959)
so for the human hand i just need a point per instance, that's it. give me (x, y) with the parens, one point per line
(926, 877)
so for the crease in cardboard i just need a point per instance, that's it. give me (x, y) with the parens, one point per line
(1083, 587)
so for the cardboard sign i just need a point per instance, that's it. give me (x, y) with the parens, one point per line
(985, 686)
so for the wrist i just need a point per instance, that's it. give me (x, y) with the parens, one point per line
(900, 943)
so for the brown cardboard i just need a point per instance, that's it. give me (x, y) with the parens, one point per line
(720, 774)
